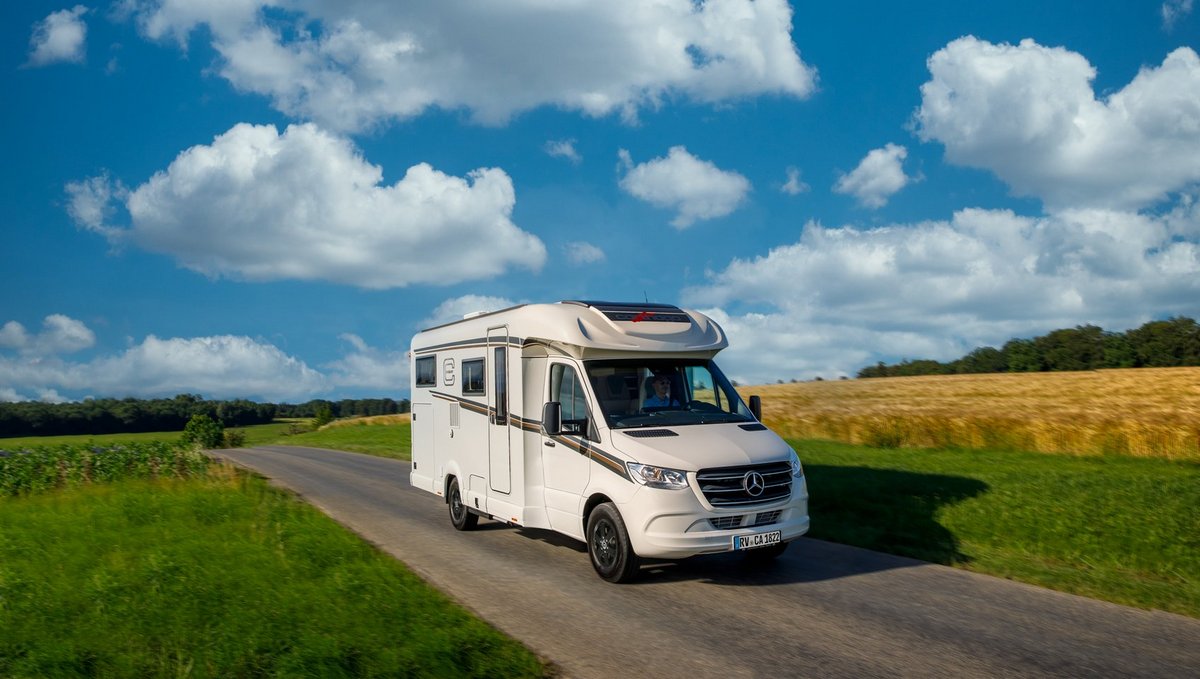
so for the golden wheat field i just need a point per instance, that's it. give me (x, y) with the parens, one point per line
(1144, 412)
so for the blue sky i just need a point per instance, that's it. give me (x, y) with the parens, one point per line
(267, 199)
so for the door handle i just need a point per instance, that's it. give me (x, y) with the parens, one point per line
(549, 444)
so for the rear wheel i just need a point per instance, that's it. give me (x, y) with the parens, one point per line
(460, 516)
(608, 545)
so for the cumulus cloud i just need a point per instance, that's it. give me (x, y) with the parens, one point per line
(454, 309)
(259, 205)
(223, 366)
(580, 252)
(1173, 11)
(839, 297)
(60, 37)
(370, 367)
(354, 65)
(1028, 113)
(60, 335)
(563, 148)
(878, 176)
(696, 189)
(793, 186)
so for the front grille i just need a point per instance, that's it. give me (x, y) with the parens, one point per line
(767, 518)
(726, 522)
(725, 486)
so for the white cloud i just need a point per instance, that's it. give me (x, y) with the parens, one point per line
(259, 205)
(1173, 11)
(90, 202)
(354, 65)
(841, 298)
(563, 148)
(580, 252)
(369, 367)
(60, 37)
(1028, 114)
(878, 176)
(60, 335)
(696, 189)
(793, 186)
(454, 309)
(222, 366)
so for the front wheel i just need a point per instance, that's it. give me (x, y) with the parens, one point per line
(460, 516)
(608, 545)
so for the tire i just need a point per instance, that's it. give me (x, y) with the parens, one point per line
(608, 545)
(765, 554)
(460, 516)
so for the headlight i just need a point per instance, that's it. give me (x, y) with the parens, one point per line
(797, 468)
(657, 477)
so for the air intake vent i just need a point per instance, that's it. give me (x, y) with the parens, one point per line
(753, 427)
(650, 433)
(746, 485)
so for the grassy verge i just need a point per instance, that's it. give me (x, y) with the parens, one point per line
(1122, 529)
(374, 437)
(218, 576)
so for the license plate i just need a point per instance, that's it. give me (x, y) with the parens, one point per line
(741, 542)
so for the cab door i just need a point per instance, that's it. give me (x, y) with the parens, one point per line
(566, 466)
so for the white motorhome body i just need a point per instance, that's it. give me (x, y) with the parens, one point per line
(606, 422)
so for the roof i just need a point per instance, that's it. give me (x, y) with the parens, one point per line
(588, 325)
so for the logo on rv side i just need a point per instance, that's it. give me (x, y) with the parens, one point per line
(754, 484)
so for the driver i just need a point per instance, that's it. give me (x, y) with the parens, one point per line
(661, 398)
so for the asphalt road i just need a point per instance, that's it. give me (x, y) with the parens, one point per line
(822, 610)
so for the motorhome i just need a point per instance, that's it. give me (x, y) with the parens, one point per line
(606, 422)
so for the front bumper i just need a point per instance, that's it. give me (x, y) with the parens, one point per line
(674, 524)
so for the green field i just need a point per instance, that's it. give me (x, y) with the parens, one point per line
(219, 576)
(394, 440)
(1117, 528)
(1122, 529)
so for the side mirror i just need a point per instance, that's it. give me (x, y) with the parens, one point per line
(756, 407)
(552, 418)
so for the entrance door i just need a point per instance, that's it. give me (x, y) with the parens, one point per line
(566, 468)
(499, 443)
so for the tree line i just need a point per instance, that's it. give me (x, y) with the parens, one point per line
(1157, 344)
(130, 415)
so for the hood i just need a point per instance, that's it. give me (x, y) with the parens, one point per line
(700, 446)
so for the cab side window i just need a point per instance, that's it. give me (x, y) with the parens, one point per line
(566, 388)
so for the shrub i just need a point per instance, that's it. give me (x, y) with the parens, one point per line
(235, 438)
(203, 431)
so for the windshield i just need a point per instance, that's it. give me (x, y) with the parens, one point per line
(664, 392)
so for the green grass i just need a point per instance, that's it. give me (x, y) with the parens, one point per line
(1122, 529)
(255, 434)
(214, 577)
(390, 440)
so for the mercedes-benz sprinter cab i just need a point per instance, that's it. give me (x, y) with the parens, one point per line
(607, 422)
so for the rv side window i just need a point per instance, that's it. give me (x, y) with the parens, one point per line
(472, 377)
(426, 369)
(566, 388)
(501, 385)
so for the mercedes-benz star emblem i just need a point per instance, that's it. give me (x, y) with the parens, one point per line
(754, 484)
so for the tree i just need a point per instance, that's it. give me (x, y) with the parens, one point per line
(203, 431)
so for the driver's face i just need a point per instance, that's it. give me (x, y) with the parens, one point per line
(661, 385)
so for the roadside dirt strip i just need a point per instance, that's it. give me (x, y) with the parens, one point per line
(823, 610)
